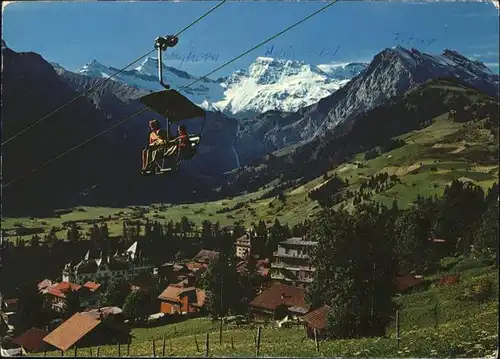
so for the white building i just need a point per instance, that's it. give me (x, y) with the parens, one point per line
(291, 263)
(102, 270)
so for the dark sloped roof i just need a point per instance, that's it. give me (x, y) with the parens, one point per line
(317, 318)
(32, 339)
(271, 298)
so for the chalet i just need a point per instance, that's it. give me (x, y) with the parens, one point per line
(32, 340)
(279, 301)
(244, 246)
(86, 329)
(181, 299)
(262, 271)
(316, 320)
(15, 352)
(5, 328)
(10, 305)
(104, 269)
(45, 285)
(88, 295)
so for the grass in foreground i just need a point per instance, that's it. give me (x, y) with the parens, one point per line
(464, 329)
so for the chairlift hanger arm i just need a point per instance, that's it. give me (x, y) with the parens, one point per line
(162, 43)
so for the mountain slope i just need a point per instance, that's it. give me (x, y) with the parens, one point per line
(25, 99)
(267, 84)
(391, 73)
(402, 114)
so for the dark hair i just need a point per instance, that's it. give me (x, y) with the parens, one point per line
(155, 124)
(182, 128)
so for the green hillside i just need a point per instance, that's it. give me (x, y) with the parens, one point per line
(430, 159)
(460, 328)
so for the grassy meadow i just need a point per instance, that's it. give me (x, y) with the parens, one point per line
(430, 159)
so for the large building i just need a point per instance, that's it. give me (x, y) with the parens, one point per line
(244, 245)
(128, 265)
(291, 262)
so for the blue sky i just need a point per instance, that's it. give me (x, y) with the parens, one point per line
(115, 33)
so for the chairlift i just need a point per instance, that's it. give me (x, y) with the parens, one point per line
(174, 107)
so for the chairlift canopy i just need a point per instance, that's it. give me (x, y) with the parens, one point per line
(172, 105)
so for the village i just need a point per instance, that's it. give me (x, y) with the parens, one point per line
(278, 296)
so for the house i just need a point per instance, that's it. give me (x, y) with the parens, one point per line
(291, 264)
(181, 299)
(278, 301)
(85, 329)
(205, 256)
(128, 265)
(244, 246)
(404, 282)
(16, 352)
(10, 305)
(57, 293)
(316, 320)
(45, 285)
(32, 340)
(262, 279)
(5, 328)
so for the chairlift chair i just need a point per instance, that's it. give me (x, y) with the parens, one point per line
(174, 107)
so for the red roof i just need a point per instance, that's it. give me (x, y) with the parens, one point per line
(92, 286)
(71, 331)
(405, 282)
(32, 339)
(174, 292)
(317, 318)
(66, 286)
(278, 294)
(56, 293)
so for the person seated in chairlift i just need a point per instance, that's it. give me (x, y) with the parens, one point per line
(181, 143)
(157, 139)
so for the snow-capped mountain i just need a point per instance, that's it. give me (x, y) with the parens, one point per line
(395, 70)
(392, 72)
(282, 85)
(267, 84)
(145, 77)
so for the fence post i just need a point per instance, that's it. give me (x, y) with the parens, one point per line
(197, 346)
(90, 351)
(220, 331)
(75, 351)
(62, 353)
(316, 339)
(128, 347)
(232, 342)
(397, 329)
(119, 349)
(163, 347)
(257, 349)
(154, 349)
(98, 350)
(207, 347)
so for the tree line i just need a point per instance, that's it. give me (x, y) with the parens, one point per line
(359, 254)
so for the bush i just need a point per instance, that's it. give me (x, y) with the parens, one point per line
(479, 291)
(447, 263)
